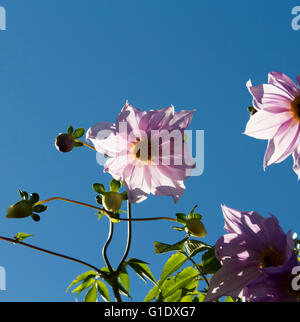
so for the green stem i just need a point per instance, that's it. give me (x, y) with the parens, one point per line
(128, 237)
(14, 241)
(198, 268)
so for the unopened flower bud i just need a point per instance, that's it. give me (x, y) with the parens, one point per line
(195, 227)
(64, 143)
(21, 209)
(112, 201)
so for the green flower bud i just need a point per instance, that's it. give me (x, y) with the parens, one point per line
(112, 201)
(21, 209)
(64, 143)
(195, 227)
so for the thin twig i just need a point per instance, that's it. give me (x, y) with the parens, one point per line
(14, 241)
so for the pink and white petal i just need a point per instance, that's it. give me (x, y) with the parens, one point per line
(235, 246)
(136, 182)
(181, 120)
(264, 125)
(156, 119)
(283, 82)
(269, 93)
(283, 144)
(296, 158)
(163, 185)
(105, 139)
(131, 116)
(231, 279)
(116, 166)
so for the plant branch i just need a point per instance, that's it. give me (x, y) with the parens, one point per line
(14, 241)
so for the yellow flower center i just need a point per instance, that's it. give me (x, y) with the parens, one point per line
(295, 106)
(142, 150)
(271, 257)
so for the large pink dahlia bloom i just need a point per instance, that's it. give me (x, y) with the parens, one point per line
(146, 150)
(255, 247)
(277, 118)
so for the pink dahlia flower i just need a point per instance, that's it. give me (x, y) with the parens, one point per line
(277, 118)
(146, 150)
(254, 247)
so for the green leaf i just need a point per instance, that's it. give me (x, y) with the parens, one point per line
(99, 188)
(174, 297)
(21, 236)
(34, 198)
(99, 200)
(114, 185)
(178, 228)
(77, 144)
(39, 208)
(161, 248)
(172, 265)
(229, 299)
(36, 217)
(70, 130)
(124, 279)
(79, 278)
(181, 218)
(194, 247)
(78, 133)
(210, 264)
(91, 295)
(153, 293)
(103, 291)
(100, 214)
(252, 110)
(142, 269)
(88, 282)
(191, 214)
(178, 281)
(23, 194)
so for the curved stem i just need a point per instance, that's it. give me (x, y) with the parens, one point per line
(52, 253)
(104, 250)
(105, 212)
(68, 200)
(198, 268)
(89, 146)
(128, 236)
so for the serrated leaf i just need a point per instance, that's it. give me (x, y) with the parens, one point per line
(161, 248)
(194, 247)
(22, 236)
(210, 264)
(88, 282)
(78, 133)
(124, 279)
(142, 269)
(82, 277)
(181, 218)
(172, 265)
(99, 188)
(103, 291)
(91, 295)
(178, 281)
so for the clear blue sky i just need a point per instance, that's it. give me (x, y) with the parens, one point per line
(77, 62)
